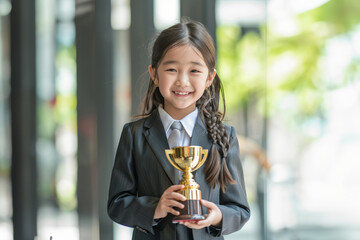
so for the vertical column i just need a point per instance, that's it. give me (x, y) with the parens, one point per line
(142, 30)
(86, 113)
(202, 11)
(94, 44)
(105, 110)
(86, 120)
(23, 119)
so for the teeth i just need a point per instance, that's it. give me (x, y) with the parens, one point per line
(181, 93)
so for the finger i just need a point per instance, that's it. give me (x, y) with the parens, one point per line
(173, 203)
(207, 221)
(173, 211)
(196, 225)
(173, 196)
(208, 204)
(174, 188)
(189, 225)
(177, 196)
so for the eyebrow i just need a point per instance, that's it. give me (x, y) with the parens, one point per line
(176, 62)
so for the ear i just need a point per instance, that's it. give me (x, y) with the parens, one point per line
(211, 78)
(152, 72)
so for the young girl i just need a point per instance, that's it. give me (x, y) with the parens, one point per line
(184, 87)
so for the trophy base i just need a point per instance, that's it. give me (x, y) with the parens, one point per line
(188, 218)
(191, 212)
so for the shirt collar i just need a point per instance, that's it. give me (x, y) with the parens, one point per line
(188, 121)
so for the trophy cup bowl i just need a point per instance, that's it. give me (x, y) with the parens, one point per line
(188, 159)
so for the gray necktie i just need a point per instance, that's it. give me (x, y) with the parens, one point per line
(174, 141)
(174, 138)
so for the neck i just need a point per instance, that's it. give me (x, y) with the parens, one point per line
(179, 114)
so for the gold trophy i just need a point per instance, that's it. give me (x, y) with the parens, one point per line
(188, 159)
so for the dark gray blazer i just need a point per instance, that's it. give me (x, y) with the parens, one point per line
(141, 174)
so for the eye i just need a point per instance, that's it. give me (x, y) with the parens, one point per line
(170, 70)
(195, 71)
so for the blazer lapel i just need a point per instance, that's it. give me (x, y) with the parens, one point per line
(156, 137)
(200, 138)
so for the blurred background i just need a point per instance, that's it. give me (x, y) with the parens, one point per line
(72, 72)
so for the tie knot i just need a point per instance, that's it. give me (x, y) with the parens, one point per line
(176, 125)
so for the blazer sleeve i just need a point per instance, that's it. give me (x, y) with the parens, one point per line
(124, 205)
(233, 203)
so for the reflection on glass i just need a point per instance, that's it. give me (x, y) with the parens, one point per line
(308, 90)
(6, 228)
(120, 14)
(166, 13)
(57, 130)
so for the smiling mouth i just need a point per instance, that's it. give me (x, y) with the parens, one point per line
(182, 93)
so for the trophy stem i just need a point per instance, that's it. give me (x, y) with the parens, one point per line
(187, 175)
(191, 188)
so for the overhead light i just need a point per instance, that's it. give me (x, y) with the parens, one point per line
(5, 7)
(245, 12)
(285, 7)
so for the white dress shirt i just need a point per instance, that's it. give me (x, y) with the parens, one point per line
(188, 123)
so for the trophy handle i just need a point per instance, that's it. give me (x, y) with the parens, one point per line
(204, 153)
(168, 152)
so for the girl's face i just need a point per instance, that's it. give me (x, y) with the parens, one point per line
(182, 77)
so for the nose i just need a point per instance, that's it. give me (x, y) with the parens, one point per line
(182, 79)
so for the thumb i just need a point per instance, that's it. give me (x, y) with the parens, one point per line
(207, 204)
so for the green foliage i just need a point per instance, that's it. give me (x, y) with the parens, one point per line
(286, 59)
(240, 64)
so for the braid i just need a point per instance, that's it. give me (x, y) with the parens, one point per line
(216, 169)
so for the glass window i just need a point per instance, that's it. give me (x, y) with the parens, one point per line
(241, 66)
(6, 228)
(313, 86)
(56, 121)
(166, 13)
(291, 75)
(120, 15)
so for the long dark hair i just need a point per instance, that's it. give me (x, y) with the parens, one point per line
(195, 34)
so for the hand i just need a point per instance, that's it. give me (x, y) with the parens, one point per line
(168, 201)
(214, 217)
